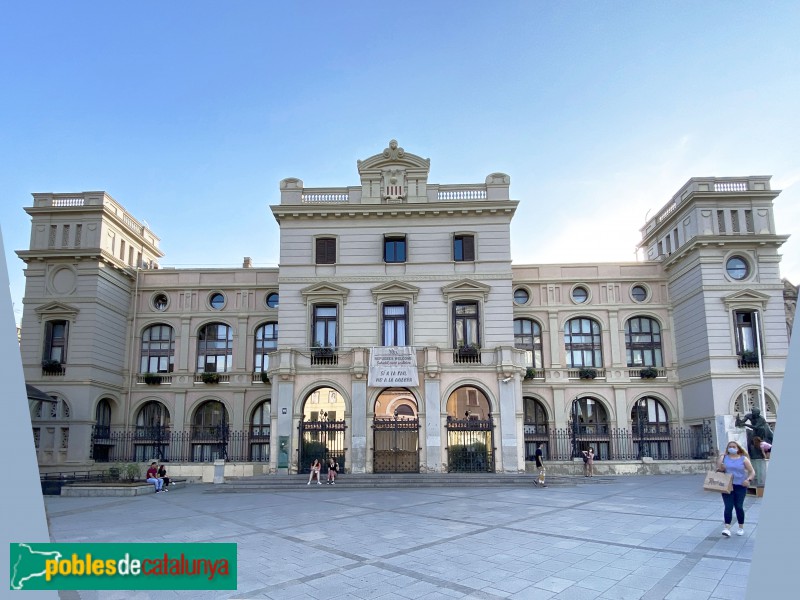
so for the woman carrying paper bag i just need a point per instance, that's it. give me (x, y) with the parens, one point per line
(735, 462)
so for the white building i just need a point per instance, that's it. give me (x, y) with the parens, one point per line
(481, 358)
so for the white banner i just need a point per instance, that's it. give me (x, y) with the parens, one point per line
(393, 366)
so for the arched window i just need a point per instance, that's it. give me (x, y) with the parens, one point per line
(101, 444)
(210, 432)
(214, 348)
(643, 342)
(535, 427)
(589, 422)
(750, 399)
(158, 349)
(266, 343)
(152, 436)
(582, 343)
(528, 337)
(260, 432)
(650, 425)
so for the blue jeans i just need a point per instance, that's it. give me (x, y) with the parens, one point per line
(735, 500)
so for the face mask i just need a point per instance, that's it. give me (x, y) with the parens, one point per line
(733, 451)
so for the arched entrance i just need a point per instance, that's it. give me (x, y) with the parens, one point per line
(470, 444)
(322, 429)
(395, 432)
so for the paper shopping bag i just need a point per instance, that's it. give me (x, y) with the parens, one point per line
(718, 482)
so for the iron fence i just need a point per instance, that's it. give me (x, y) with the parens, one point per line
(658, 443)
(197, 444)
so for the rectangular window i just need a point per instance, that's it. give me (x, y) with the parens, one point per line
(394, 249)
(395, 324)
(325, 251)
(745, 321)
(464, 248)
(465, 324)
(55, 341)
(122, 249)
(325, 323)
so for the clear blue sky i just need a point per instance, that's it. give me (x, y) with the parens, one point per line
(190, 113)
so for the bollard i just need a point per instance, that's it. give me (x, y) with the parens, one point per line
(219, 471)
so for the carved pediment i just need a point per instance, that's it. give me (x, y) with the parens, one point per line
(395, 289)
(56, 309)
(394, 156)
(746, 298)
(324, 290)
(467, 288)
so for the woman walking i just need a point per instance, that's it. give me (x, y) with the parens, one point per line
(588, 462)
(736, 462)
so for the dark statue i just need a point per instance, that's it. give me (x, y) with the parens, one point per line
(757, 427)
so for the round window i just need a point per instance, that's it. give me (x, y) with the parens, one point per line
(160, 302)
(580, 294)
(737, 268)
(272, 300)
(521, 296)
(217, 301)
(639, 293)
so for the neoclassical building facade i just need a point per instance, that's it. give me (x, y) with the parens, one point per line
(398, 335)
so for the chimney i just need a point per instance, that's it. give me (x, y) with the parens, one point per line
(248, 263)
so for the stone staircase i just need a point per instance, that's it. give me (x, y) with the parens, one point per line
(399, 480)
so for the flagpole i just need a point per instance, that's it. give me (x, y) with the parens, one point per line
(763, 403)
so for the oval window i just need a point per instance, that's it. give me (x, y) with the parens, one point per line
(272, 300)
(160, 302)
(520, 296)
(737, 268)
(217, 301)
(580, 295)
(639, 293)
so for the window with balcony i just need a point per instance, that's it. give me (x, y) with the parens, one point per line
(643, 342)
(266, 342)
(158, 350)
(55, 342)
(215, 348)
(582, 343)
(325, 325)
(528, 337)
(465, 325)
(395, 324)
(745, 332)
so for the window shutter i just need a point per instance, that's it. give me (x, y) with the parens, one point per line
(469, 247)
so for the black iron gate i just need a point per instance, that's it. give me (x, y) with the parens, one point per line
(320, 440)
(395, 445)
(470, 445)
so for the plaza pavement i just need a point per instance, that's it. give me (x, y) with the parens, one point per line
(620, 538)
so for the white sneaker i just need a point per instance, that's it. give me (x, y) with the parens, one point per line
(726, 532)
(309, 483)
(318, 483)
(740, 531)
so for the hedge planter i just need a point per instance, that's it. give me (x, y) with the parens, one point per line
(264, 377)
(152, 379)
(587, 373)
(648, 373)
(51, 366)
(749, 358)
(210, 378)
(530, 373)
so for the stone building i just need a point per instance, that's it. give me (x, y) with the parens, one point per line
(398, 335)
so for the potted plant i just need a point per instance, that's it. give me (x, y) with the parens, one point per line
(749, 357)
(648, 373)
(51, 366)
(530, 373)
(264, 377)
(587, 373)
(323, 350)
(209, 377)
(132, 472)
(468, 350)
(152, 379)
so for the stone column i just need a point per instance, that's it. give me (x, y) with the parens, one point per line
(433, 428)
(283, 405)
(358, 432)
(510, 393)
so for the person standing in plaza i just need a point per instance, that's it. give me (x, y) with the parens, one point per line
(152, 477)
(539, 456)
(736, 462)
(588, 462)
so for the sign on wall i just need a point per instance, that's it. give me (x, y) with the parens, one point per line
(393, 366)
